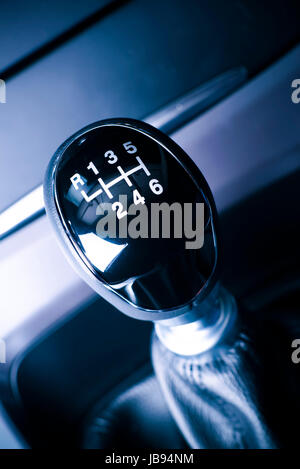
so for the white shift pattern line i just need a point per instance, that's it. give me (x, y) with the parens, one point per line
(124, 175)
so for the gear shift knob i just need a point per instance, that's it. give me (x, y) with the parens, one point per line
(112, 191)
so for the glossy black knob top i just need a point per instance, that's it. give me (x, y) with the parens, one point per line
(135, 217)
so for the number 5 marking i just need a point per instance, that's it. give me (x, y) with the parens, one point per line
(129, 147)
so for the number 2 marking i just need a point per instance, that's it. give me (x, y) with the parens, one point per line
(118, 207)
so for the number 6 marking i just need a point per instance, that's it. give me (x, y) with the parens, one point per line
(118, 207)
(156, 187)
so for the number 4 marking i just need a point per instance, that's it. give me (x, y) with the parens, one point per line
(137, 198)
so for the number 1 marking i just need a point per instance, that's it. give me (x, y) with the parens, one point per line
(93, 168)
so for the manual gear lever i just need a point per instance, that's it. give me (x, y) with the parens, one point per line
(101, 188)
(103, 177)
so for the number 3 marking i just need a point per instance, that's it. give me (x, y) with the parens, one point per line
(112, 158)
